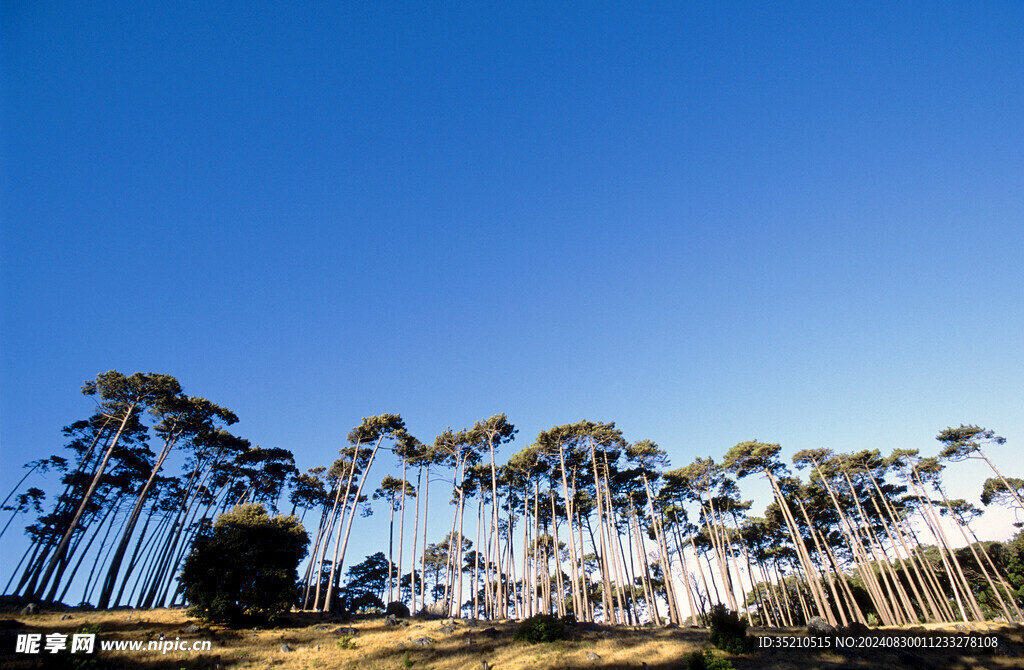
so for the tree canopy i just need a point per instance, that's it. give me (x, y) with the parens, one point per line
(246, 567)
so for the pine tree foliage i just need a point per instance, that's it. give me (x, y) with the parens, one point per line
(578, 523)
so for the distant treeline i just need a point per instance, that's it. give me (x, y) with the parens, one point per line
(580, 523)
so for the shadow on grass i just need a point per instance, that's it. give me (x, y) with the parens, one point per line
(385, 647)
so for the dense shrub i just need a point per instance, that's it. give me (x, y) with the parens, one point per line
(246, 567)
(540, 628)
(79, 660)
(728, 630)
(706, 660)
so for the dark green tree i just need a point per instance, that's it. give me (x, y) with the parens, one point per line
(246, 568)
(366, 583)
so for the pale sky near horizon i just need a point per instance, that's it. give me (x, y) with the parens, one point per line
(793, 222)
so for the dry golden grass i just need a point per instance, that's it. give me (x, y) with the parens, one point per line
(313, 643)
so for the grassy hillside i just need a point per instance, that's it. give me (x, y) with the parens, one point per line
(306, 642)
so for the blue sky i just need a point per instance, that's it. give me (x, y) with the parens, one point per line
(795, 222)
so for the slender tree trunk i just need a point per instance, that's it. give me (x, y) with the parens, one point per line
(977, 559)
(126, 536)
(666, 566)
(146, 559)
(133, 559)
(28, 554)
(853, 542)
(750, 570)
(85, 523)
(606, 584)
(588, 614)
(788, 610)
(824, 563)
(165, 570)
(97, 561)
(995, 571)
(952, 565)
(426, 516)
(457, 567)
(82, 554)
(391, 545)
(560, 600)
(415, 538)
(58, 554)
(932, 612)
(343, 499)
(577, 598)
(773, 597)
(502, 601)
(476, 562)
(680, 549)
(718, 544)
(804, 607)
(815, 586)
(401, 534)
(339, 559)
(645, 575)
(312, 566)
(448, 582)
(510, 553)
(893, 542)
(528, 581)
(888, 578)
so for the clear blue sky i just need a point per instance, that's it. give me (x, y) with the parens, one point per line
(708, 222)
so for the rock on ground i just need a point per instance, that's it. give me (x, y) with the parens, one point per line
(398, 609)
(434, 611)
(855, 628)
(818, 626)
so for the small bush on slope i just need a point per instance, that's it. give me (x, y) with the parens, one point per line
(706, 661)
(728, 630)
(540, 628)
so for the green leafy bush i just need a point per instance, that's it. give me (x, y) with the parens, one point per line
(706, 660)
(65, 660)
(540, 628)
(728, 630)
(246, 567)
